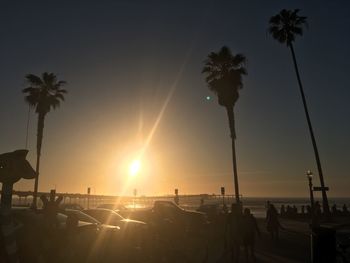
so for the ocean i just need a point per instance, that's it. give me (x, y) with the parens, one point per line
(257, 205)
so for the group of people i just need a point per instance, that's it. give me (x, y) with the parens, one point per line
(292, 211)
(241, 229)
(343, 211)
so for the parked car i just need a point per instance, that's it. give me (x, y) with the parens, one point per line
(110, 217)
(119, 208)
(190, 221)
(36, 239)
(71, 206)
(211, 210)
(133, 232)
(89, 219)
(91, 241)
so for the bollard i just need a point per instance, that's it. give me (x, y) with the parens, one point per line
(323, 245)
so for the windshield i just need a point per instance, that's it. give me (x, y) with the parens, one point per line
(118, 216)
(83, 217)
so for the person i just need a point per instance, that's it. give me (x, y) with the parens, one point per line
(249, 229)
(334, 209)
(283, 210)
(289, 211)
(308, 209)
(224, 209)
(317, 208)
(345, 209)
(267, 206)
(295, 211)
(303, 209)
(176, 199)
(272, 222)
(234, 231)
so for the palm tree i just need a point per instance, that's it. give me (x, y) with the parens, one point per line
(224, 73)
(284, 27)
(43, 94)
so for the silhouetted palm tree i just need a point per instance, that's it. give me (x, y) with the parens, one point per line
(224, 73)
(284, 27)
(44, 94)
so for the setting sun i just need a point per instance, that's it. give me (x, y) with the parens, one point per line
(134, 167)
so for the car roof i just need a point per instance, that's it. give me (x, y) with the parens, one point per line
(105, 210)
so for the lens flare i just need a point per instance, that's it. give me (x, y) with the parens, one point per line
(134, 167)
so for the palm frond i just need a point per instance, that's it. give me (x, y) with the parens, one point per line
(33, 80)
(44, 93)
(59, 96)
(286, 25)
(224, 73)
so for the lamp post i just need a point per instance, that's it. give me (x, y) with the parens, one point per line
(309, 176)
(314, 217)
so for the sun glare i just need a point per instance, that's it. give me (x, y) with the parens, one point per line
(134, 167)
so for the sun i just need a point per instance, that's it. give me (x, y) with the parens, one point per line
(134, 167)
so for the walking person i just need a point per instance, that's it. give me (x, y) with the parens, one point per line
(234, 231)
(249, 230)
(272, 222)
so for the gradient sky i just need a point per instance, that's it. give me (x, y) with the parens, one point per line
(131, 63)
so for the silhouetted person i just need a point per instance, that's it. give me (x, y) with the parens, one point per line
(249, 229)
(224, 209)
(345, 209)
(50, 210)
(334, 209)
(295, 211)
(283, 210)
(303, 209)
(50, 226)
(69, 240)
(234, 228)
(318, 211)
(272, 222)
(177, 200)
(308, 209)
(289, 211)
(267, 206)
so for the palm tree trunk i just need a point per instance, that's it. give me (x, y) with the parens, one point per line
(27, 128)
(320, 173)
(231, 120)
(40, 132)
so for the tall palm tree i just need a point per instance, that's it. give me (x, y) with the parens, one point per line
(43, 94)
(284, 27)
(224, 73)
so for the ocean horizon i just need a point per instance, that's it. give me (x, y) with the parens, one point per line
(257, 205)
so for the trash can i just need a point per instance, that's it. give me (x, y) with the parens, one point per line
(323, 245)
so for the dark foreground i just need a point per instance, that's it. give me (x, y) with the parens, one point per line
(169, 245)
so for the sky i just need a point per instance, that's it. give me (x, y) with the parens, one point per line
(135, 86)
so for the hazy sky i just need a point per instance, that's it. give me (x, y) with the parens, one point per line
(131, 63)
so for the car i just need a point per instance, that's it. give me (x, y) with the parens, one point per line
(91, 241)
(89, 219)
(190, 220)
(119, 208)
(134, 232)
(211, 210)
(111, 217)
(35, 238)
(27, 215)
(71, 206)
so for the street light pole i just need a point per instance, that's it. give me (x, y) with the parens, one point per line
(309, 175)
(314, 216)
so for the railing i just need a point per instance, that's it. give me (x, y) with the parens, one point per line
(25, 198)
